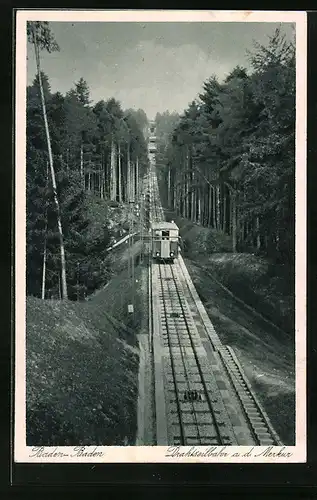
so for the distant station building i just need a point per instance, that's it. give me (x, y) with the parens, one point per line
(152, 128)
(152, 142)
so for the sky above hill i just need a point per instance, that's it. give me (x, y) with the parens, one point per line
(153, 66)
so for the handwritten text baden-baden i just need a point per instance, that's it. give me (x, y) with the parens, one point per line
(77, 451)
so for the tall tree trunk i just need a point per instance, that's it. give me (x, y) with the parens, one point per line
(119, 174)
(184, 196)
(224, 222)
(234, 221)
(100, 181)
(198, 205)
(218, 206)
(128, 174)
(44, 263)
(51, 163)
(277, 240)
(186, 208)
(112, 172)
(223, 206)
(169, 187)
(209, 206)
(205, 205)
(82, 177)
(101, 176)
(174, 197)
(193, 199)
(239, 224)
(133, 180)
(104, 166)
(67, 161)
(137, 178)
(258, 239)
(115, 172)
(227, 208)
(214, 220)
(191, 202)
(106, 173)
(45, 243)
(202, 205)
(244, 222)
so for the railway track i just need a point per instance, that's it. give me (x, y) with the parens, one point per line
(195, 409)
(202, 394)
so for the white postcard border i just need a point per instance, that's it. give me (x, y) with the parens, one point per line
(143, 454)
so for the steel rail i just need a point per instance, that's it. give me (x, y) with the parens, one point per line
(178, 404)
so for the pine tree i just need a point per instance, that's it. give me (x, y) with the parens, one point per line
(83, 92)
(238, 139)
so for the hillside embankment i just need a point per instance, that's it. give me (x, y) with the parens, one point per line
(83, 357)
(83, 361)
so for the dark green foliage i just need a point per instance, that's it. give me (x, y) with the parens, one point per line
(230, 160)
(90, 149)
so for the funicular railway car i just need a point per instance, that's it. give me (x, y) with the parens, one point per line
(164, 238)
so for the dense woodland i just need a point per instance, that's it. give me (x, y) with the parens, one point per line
(229, 161)
(81, 159)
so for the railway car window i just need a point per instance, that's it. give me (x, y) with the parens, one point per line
(165, 234)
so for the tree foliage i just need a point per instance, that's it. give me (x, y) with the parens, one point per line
(40, 30)
(92, 147)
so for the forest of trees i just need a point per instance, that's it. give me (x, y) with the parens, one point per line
(80, 158)
(229, 162)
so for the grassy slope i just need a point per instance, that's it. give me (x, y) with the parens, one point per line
(82, 364)
(266, 354)
(82, 369)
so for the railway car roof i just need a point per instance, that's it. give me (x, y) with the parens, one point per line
(164, 225)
